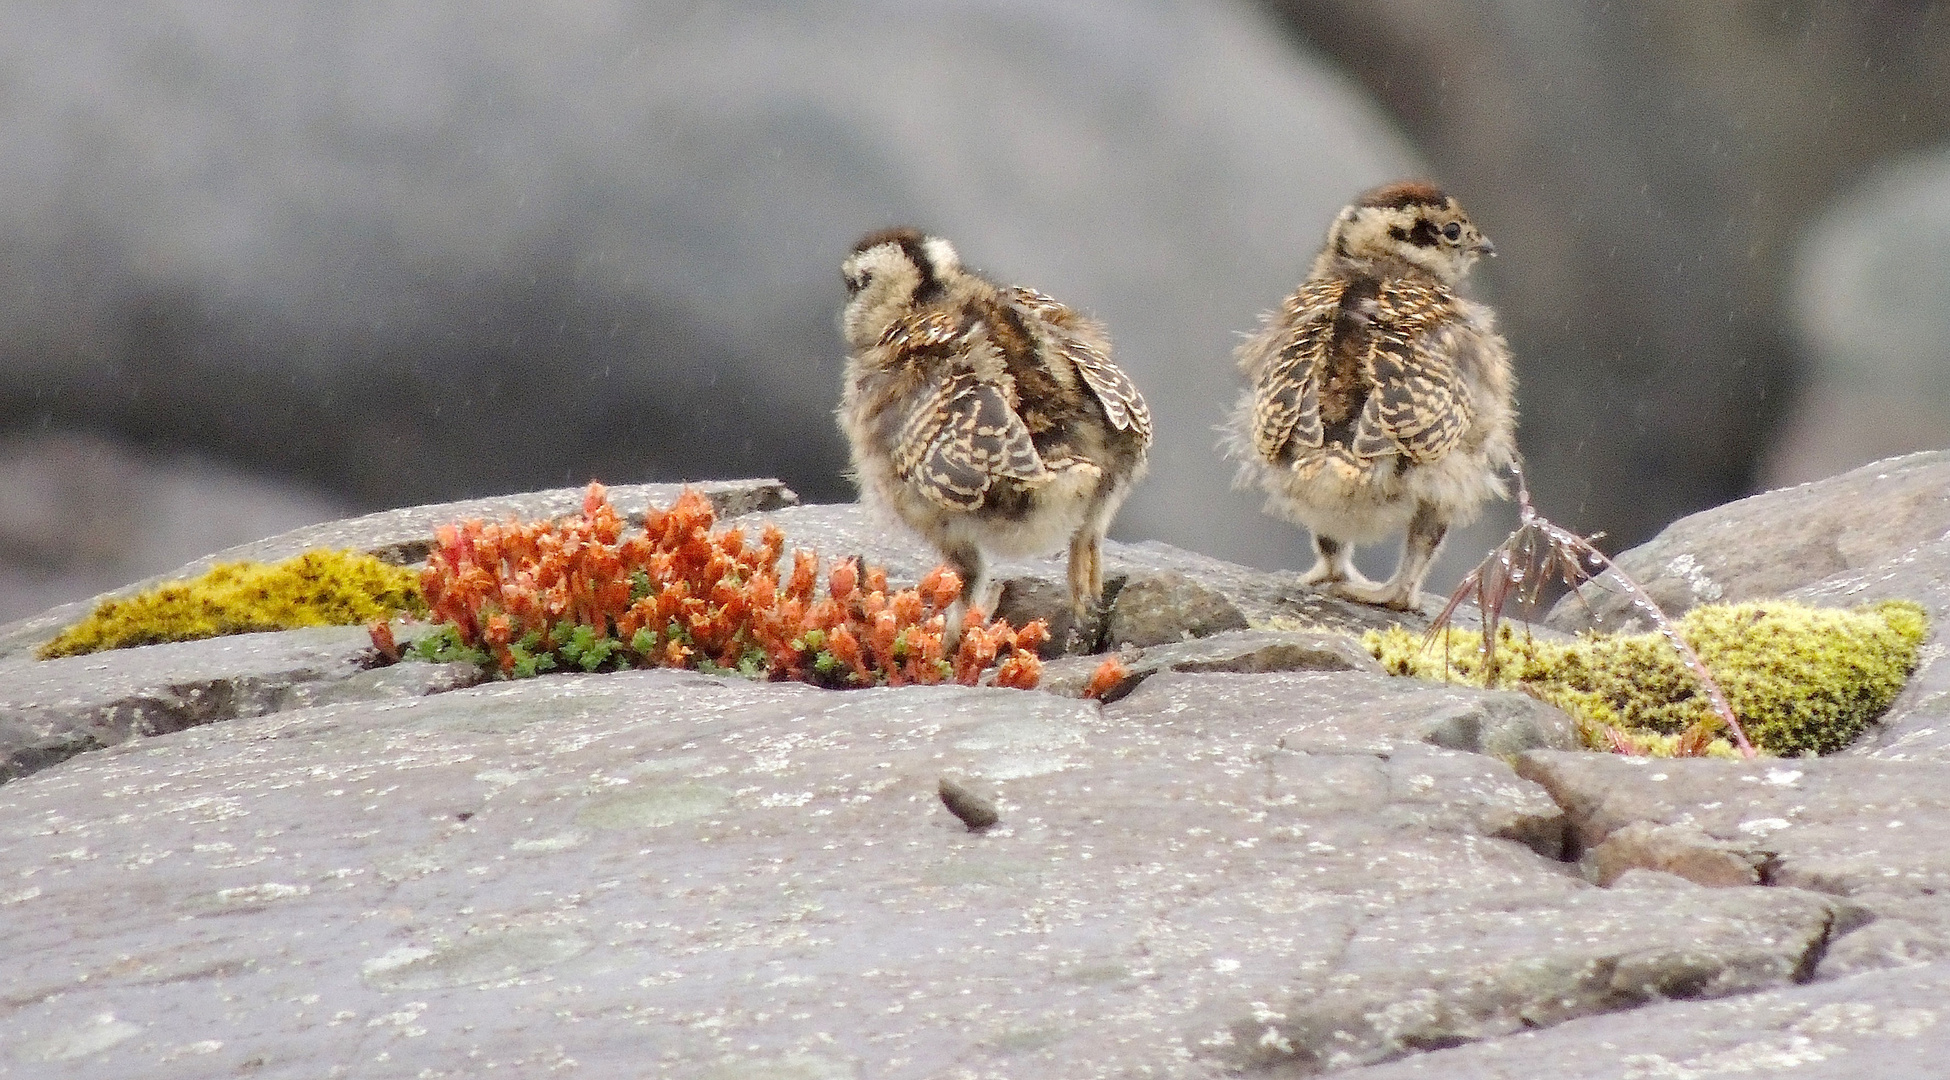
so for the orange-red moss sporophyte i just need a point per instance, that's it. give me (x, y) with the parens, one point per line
(579, 592)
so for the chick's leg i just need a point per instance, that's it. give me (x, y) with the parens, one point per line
(1335, 563)
(1403, 592)
(1086, 573)
(968, 564)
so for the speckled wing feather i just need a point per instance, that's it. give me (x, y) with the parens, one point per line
(1286, 393)
(1418, 406)
(1123, 406)
(928, 334)
(961, 437)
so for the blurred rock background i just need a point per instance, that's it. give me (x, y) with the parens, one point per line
(270, 264)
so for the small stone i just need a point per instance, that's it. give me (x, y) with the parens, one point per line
(976, 812)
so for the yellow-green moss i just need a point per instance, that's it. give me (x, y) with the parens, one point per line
(1801, 679)
(318, 588)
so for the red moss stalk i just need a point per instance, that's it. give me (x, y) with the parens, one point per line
(579, 592)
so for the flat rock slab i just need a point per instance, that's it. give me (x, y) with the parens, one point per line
(405, 536)
(1779, 541)
(1350, 712)
(666, 874)
(1237, 651)
(52, 710)
(1874, 832)
(1885, 1025)
(1848, 826)
(1486, 972)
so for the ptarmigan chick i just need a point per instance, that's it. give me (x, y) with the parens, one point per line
(1380, 399)
(989, 418)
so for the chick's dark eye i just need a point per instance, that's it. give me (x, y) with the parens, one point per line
(1452, 230)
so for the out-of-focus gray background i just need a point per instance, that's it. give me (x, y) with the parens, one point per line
(264, 264)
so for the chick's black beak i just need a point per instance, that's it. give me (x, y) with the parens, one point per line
(1485, 248)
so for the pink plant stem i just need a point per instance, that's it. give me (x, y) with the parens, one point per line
(1640, 599)
(1686, 653)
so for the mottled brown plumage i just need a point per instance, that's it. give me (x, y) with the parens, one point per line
(988, 418)
(1379, 398)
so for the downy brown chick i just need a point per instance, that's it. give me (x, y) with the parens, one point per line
(1379, 398)
(988, 418)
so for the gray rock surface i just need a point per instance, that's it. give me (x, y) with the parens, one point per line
(1161, 608)
(1869, 831)
(1523, 962)
(1239, 651)
(1355, 711)
(1841, 825)
(1889, 1025)
(1779, 541)
(54, 709)
(757, 879)
(1681, 850)
(1262, 856)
